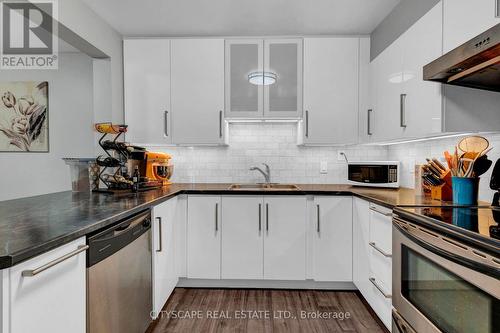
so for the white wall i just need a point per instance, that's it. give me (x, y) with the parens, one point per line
(275, 144)
(70, 119)
(415, 153)
(71, 110)
(78, 17)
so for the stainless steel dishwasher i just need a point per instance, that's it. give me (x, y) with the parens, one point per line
(119, 293)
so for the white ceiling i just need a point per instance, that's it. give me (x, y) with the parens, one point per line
(242, 17)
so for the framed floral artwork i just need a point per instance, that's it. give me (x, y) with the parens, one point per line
(24, 108)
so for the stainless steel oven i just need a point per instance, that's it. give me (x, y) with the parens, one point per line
(441, 284)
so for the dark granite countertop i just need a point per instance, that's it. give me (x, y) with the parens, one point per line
(31, 226)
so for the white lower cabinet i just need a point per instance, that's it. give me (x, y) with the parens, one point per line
(285, 238)
(53, 300)
(264, 237)
(372, 251)
(165, 275)
(180, 230)
(332, 238)
(204, 237)
(242, 238)
(360, 248)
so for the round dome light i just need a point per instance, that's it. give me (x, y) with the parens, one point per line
(262, 78)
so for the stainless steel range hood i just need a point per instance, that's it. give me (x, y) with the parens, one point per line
(475, 64)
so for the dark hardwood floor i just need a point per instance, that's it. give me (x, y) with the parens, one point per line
(254, 310)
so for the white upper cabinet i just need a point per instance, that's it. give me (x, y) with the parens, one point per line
(402, 104)
(146, 64)
(387, 79)
(422, 100)
(465, 19)
(365, 108)
(263, 78)
(331, 90)
(198, 91)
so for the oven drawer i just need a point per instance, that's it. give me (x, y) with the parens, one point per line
(381, 229)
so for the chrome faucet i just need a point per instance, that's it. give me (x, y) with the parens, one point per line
(266, 174)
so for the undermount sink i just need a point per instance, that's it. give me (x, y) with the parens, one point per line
(265, 187)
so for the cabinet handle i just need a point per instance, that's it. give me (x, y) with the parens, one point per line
(497, 8)
(267, 217)
(160, 239)
(402, 110)
(374, 282)
(216, 217)
(369, 122)
(260, 217)
(165, 122)
(220, 124)
(380, 212)
(33, 272)
(307, 123)
(385, 254)
(318, 229)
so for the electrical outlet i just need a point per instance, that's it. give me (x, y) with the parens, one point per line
(323, 167)
(340, 155)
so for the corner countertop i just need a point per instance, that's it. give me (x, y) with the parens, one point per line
(31, 226)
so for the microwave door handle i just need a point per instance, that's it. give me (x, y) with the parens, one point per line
(449, 248)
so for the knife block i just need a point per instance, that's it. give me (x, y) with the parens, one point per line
(443, 192)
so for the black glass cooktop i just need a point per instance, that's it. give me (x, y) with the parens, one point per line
(481, 221)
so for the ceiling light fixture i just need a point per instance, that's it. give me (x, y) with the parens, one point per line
(262, 78)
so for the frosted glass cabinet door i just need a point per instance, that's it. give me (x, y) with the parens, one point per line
(283, 59)
(243, 57)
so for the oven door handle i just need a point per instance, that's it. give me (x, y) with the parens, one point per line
(401, 325)
(449, 248)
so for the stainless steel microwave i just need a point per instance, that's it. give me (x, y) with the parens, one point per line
(373, 173)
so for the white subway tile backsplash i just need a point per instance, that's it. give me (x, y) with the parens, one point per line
(275, 144)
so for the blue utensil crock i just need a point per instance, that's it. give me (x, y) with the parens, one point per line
(465, 190)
